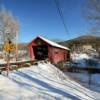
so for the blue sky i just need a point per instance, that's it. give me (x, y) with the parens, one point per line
(40, 17)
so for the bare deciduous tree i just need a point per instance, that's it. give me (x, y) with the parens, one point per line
(9, 28)
(92, 13)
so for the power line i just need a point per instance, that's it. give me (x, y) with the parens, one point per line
(61, 15)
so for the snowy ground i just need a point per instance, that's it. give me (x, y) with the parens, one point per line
(83, 78)
(42, 82)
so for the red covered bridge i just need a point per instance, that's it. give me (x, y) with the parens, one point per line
(41, 48)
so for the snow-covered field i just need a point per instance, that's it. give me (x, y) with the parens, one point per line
(42, 82)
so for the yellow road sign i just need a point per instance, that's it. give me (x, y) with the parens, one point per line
(9, 47)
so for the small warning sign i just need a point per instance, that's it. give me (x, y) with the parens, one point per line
(9, 47)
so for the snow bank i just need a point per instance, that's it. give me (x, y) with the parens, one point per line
(42, 82)
(80, 59)
(2, 61)
(84, 60)
(79, 56)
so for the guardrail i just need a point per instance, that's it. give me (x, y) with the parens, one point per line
(18, 64)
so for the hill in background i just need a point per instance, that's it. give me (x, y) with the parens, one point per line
(82, 40)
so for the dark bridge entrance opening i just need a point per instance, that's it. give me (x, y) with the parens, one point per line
(40, 52)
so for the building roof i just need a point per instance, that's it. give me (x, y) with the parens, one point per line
(53, 43)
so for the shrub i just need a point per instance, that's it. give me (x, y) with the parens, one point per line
(60, 65)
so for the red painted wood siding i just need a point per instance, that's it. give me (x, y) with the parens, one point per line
(58, 55)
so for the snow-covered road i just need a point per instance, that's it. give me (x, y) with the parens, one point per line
(42, 82)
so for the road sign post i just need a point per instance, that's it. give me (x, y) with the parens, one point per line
(8, 64)
(8, 47)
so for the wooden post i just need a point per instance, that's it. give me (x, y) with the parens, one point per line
(8, 63)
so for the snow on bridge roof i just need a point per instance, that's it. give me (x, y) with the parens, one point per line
(53, 43)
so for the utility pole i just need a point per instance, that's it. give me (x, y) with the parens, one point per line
(17, 46)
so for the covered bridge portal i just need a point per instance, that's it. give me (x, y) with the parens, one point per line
(41, 49)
